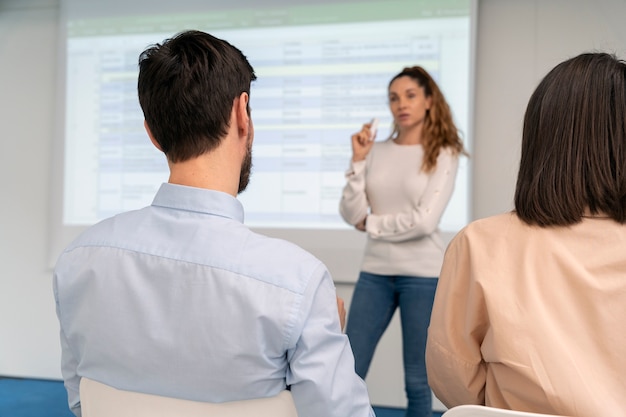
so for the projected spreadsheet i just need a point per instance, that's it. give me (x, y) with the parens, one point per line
(316, 86)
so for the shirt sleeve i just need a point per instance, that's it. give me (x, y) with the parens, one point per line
(423, 219)
(69, 362)
(455, 368)
(321, 366)
(354, 206)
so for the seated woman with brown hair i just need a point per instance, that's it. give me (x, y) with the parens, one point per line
(530, 306)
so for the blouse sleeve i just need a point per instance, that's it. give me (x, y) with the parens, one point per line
(353, 206)
(424, 218)
(455, 367)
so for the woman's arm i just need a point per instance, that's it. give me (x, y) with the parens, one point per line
(353, 206)
(458, 324)
(424, 218)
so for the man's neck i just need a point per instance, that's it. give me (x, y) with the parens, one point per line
(210, 171)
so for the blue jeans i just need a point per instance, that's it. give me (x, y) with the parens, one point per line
(373, 303)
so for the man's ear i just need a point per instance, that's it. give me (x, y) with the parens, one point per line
(243, 118)
(151, 136)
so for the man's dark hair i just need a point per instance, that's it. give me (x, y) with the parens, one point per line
(574, 144)
(186, 89)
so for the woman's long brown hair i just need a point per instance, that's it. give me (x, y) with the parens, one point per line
(439, 128)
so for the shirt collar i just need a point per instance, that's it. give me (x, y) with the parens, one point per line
(182, 197)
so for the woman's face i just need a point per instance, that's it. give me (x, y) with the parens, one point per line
(408, 102)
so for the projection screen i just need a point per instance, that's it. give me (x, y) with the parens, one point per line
(323, 68)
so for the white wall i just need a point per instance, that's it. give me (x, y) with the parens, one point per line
(28, 329)
(518, 42)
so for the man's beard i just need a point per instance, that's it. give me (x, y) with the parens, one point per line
(246, 168)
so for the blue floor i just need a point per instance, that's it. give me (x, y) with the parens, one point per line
(33, 398)
(43, 398)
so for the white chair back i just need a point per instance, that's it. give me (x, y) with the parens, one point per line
(100, 400)
(483, 411)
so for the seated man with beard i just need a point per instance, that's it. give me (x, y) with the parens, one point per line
(180, 299)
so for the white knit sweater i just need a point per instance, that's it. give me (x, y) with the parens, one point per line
(403, 206)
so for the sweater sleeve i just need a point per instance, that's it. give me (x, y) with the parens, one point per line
(423, 219)
(353, 206)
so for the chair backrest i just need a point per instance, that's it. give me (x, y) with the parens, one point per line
(100, 400)
(483, 411)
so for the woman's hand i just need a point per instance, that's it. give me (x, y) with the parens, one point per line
(362, 143)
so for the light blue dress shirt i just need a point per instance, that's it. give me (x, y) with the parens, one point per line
(181, 299)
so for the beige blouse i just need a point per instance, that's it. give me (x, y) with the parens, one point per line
(532, 318)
